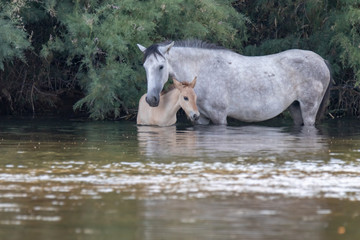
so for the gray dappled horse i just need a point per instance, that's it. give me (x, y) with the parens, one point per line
(249, 89)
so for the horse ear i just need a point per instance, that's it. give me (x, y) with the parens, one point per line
(165, 49)
(177, 84)
(193, 83)
(142, 48)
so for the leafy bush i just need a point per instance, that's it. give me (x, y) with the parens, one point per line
(13, 38)
(101, 37)
(84, 51)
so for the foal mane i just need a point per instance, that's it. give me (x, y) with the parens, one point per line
(190, 43)
(168, 89)
(172, 87)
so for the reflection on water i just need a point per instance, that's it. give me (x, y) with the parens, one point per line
(219, 142)
(248, 218)
(202, 161)
(114, 180)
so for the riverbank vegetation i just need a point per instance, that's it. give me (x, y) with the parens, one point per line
(80, 57)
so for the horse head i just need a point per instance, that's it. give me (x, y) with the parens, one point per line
(187, 98)
(157, 70)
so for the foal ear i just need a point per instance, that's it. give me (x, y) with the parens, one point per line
(165, 49)
(192, 84)
(177, 84)
(142, 48)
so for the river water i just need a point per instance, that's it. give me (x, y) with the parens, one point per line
(63, 179)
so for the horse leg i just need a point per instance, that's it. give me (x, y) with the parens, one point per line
(215, 119)
(295, 113)
(202, 120)
(309, 105)
(309, 111)
(218, 117)
(219, 121)
(216, 113)
(315, 95)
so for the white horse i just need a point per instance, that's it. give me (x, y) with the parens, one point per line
(249, 89)
(182, 95)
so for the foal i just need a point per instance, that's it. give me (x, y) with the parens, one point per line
(181, 96)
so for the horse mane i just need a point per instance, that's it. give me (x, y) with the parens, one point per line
(153, 49)
(190, 43)
(196, 43)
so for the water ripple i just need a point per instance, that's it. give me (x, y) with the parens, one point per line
(334, 179)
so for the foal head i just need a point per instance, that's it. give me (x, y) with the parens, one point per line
(187, 98)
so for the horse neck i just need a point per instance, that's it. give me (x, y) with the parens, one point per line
(185, 62)
(169, 103)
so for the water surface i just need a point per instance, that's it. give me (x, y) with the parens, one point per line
(115, 180)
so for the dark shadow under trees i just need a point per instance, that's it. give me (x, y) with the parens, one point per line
(80, 58)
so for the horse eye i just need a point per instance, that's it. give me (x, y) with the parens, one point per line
(161, 67)
(186, 98)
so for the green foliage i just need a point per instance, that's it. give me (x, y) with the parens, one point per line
(214, 21)
(347, 38)
(13, 37)
(285, 24)
(86, 49)
(102, 37)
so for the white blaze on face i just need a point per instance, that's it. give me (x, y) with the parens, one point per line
(157, 75)
(156, 72)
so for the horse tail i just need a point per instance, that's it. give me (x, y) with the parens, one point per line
(325, 101)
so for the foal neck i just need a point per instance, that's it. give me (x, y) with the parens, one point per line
(169, 103)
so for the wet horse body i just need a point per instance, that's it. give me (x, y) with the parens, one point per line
(249, 89)
(182, 95)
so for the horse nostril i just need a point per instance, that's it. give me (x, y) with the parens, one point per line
(152, 101)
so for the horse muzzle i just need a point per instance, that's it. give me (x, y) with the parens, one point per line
(153, 101)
